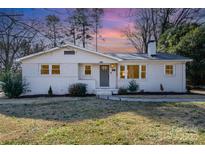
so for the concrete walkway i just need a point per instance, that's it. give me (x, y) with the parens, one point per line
(119, 98)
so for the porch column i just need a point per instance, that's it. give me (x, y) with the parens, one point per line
(125, 71)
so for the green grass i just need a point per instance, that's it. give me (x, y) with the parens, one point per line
(93, 121)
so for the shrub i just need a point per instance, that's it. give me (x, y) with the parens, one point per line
(122, 91)
(78, 89)
(50, 91)
(13, 85)
(133, 86)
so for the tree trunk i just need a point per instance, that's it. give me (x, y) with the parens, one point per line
(83, 39)
(96, 39)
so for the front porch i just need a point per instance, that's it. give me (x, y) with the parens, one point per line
(101, 78)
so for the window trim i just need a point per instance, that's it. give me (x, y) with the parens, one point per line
(90, 70)
(169, 75)
(48, 70)
(139, 73)
(51, 72)
(124, 71)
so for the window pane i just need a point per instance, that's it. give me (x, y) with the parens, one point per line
(55, 66)
(87, 70)
(87, 67)
(143, 75)
(143, 71)
(169, 69)
(55, 69)
(143, 68)
(133, 71)
(44, 69)
(122, 72)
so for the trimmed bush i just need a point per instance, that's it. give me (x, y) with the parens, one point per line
(50, 91)
(122, 91)
(133, 86)
(13, 85)
(78, 89)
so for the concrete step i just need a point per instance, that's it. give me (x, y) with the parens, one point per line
(106, 92)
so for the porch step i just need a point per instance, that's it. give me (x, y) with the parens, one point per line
(106, 91)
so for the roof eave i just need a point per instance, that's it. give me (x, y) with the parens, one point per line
(73, 46)
(177, 60)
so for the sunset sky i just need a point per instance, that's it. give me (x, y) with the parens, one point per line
(114, 21)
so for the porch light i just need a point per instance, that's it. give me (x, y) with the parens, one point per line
(112, 66)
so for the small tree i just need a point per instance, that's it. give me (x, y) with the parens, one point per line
(161, 88)
(13, 85)
(133, 86)
(50, 91)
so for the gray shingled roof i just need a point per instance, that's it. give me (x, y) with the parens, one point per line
(142, 56)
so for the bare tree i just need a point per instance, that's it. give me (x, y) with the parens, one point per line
(142, 30)
(134, 37)
(14, 38)
(54, 29)
(71, 28)
(96, 15)
(155, 22)
(84, 25)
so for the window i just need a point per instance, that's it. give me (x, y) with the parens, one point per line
(87, 70)
(55, 69)
(169, 70)
(133, 71)
(44, 69)
(122, 71)
(72, 52)
(143, 71)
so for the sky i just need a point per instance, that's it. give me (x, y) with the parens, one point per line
(113, 22)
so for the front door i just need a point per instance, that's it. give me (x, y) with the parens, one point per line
(104, 75)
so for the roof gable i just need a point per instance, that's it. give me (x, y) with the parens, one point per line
(67, 46)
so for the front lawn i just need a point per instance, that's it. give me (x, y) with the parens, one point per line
(88, 120)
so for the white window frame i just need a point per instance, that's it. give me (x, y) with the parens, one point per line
(90, 70)
(169, 75)
(50, 70)
(124, 72)
(141, 72)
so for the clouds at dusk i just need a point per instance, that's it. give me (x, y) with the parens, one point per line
(113, 22)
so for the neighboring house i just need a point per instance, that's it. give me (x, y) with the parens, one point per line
(103, 73)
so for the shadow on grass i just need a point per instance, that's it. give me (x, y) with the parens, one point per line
(183, 114)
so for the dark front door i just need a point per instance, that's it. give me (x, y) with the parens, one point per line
(104, 75)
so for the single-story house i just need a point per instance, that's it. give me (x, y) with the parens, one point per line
(103, 73)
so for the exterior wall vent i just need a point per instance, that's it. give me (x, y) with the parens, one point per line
(70, 52)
